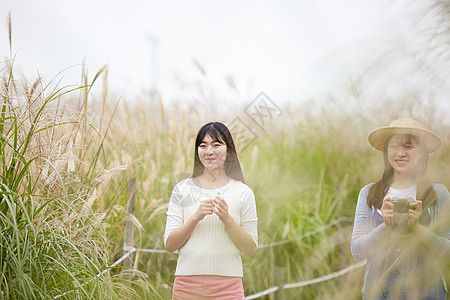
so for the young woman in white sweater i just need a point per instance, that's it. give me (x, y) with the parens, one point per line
(210, 220)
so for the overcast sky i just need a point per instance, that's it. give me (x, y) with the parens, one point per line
(291, 50)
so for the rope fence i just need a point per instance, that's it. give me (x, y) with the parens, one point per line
(254, 296)
(326, 277)
(308, 282)
(263, 293)
(130, 249)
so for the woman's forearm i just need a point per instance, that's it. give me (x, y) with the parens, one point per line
(178, 237)
(240, 238)
(439, 243)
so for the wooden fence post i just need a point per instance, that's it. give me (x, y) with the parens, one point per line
(278, 280)
(129, 227)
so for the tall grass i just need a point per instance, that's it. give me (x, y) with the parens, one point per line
(53, 241)
(66, 162)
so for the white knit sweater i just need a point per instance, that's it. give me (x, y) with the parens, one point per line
(209, 250)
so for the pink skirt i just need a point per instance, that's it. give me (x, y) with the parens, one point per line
(200, 287)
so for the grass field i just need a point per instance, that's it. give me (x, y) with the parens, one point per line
(67, 154)
(66, 164)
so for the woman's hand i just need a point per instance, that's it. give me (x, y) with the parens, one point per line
(206, 208)
(221, 210)
(387, 210)
(414, 213)
(178, 237)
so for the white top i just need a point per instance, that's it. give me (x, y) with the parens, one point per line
(209, 250)
(408, 192)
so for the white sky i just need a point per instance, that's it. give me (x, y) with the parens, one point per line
(289, 49)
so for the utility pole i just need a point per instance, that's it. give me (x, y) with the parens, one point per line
(154, 42)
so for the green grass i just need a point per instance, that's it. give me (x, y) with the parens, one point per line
(52, 242)
(66, 158)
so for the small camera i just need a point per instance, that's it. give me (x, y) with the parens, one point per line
(401, 204)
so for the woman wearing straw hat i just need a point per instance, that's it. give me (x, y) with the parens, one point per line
(402, 221)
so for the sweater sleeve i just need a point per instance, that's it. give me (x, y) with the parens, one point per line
(439, 233)
(249, 219)
(174, 212)
(364, 237)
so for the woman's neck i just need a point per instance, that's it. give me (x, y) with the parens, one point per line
(403, 181)
(212, 179)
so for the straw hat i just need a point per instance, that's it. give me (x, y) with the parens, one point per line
(378, 137)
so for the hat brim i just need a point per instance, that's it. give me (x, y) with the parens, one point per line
(378, 137)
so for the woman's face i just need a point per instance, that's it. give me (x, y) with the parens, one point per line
(212, 153)
(403, 154)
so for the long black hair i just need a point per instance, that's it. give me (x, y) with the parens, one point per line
(219, 133)
(425, 191)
